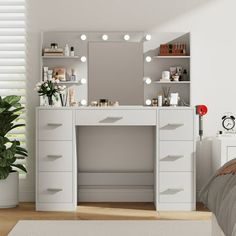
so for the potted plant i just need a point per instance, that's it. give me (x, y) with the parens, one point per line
(10, 150)
(51, 89)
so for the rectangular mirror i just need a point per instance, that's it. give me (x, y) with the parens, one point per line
(116, 72)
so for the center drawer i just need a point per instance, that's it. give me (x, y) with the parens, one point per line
(55, 125)
(176, 187)
(176, 124)
(55, 187)
(55, 155)
(106, 117)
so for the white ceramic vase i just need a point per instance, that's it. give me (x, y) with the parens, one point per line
(9, 191)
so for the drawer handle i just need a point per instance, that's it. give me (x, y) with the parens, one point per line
(55, 124)
(171, 126)
(172, 157)
(110, 119)
(55, 189)
(54, 156)
(172, 191)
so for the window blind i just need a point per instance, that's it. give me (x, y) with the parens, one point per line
(13, 57)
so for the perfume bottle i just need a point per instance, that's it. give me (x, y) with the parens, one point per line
(73, 76)
(72, 52)
(67, 51)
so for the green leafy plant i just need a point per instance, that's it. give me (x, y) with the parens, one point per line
(10, 150)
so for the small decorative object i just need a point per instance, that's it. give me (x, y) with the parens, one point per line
(228, 122)
(73, 75)
(72, 52)
(50, 88)
(160, 100)
(165, 76)
(10, 150)
(154, 102)
(103, 102)
(59, 74)
(174, 99)
(94, 103)
(54, 46)
(63, 97)
(184, 76)
(67, 51)
(72, 100)
(175, 49)
(176, 72)
(166, 92)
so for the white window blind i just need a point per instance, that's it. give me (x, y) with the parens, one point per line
(13, 56)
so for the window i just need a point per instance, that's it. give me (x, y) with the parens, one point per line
(13, 55)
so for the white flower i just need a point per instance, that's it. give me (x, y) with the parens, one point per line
(46, 84)
(48, 89)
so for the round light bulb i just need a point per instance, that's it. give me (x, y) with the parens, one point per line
(148, 102)
(83, 102)
(83, 59)
(83, 37)
(147, 80)
(126, 37)
(105, 37)
(148, 59)
(148, 37)
(83, 81)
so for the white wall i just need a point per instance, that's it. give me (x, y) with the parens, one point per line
(211, 23)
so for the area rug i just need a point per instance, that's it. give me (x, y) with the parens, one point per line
(113, 228)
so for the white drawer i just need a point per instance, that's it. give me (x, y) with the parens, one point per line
(176, 187)
(55, 187)
(55, 155)
(231, 152)
(176, 155)
(176, 124)
(108, 117)
(55, 125)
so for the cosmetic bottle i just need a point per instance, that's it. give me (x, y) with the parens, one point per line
(67, 51)
(72, 52)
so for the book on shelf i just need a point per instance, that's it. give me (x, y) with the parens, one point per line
(53, 52)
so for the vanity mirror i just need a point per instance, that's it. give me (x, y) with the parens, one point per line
(123, 67)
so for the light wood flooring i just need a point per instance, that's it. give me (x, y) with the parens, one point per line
(97, 211)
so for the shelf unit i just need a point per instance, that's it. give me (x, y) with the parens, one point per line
(60, 57)
(154, 68)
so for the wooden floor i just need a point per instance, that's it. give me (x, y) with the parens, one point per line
(97, 211)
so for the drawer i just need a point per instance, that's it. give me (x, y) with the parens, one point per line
(108, 117)
(55, 187)
(55, 155)
(231, 153)
(176, 124)
(176, 155)
(55, 125)
(176, 187)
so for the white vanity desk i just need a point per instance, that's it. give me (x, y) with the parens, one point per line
(173, 175)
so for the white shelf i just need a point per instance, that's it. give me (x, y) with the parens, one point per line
(60, 57)
(171, 82)
(172, 57)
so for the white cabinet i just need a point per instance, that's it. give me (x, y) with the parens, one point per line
(176, 159)
(172, 178)
(223, 150)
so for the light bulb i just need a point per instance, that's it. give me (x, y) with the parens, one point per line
(83, 102)
(83, 59)
(147, 80)
(83, 81)
(105, 37)
(83, 37)
(126, 37)
(148, 59)
(148, 37)
(148, 102)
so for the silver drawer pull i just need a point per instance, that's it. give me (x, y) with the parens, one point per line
(172, 191)
(54, 156)
(172, 157)
(171, 126)
(55, 124)
(54, 189)
(110, 119)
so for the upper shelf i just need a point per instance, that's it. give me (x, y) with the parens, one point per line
(60, 57)
(172, 57)
(171, 82)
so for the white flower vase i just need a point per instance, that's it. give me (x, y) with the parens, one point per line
(9, 191)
